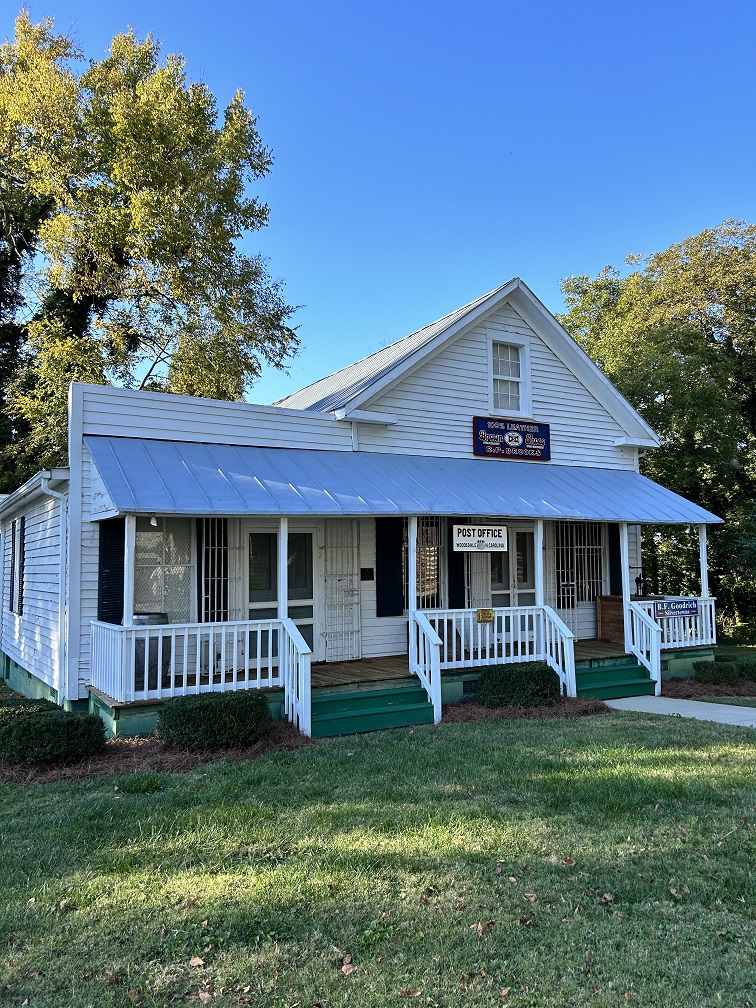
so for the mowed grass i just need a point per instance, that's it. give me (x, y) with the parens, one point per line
(601, 861)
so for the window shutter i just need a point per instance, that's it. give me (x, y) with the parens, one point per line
(615, 562)
(389, 579)
(456, 568)
(12, 580)
(21, 556)
(110, 574)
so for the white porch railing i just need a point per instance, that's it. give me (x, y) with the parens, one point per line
(158, 662)
(522, 633)
(686, 631)
(645, 641)
(425, 659)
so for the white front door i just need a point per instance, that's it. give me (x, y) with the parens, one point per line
(262, 581)
(342, 591)
(513, 572)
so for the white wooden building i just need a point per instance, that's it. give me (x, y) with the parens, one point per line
(199, 545)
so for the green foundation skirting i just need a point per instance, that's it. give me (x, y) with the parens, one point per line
(132, 720)
(23, 682)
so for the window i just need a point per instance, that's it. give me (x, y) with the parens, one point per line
(16, 572)
(164, 569)
(507, 378)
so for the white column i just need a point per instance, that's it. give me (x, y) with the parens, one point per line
(283, 568)
(704, 561)
(538, 550)
(129, 555)
(412, 588)
(625, 569)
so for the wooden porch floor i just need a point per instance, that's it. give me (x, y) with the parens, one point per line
(366, 670)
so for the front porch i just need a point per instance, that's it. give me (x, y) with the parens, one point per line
(149, 664)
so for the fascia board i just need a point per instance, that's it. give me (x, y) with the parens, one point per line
(32, 489)
(408, 364)
(580, 364)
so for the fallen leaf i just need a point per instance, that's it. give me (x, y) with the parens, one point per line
(205, 997)
(676, 894)
(412, 992)
(203, 924)
(505, 991)
(607, 898)
(346, 959)
(196, 961)
(527, 921)
(568, 861)
(511, 879)
(587, 958)
(190, 902)
(530, 897)
(348, 968)
(477, 927)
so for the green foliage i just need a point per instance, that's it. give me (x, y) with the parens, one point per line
(676, 336)
(141, 782)
(717, 673)
(747, 668)
(213, 720)
(725, 658)
(523, 684)
(129, 189)
(38, 731)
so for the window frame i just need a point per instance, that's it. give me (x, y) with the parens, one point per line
(16, 535)
(523, 346)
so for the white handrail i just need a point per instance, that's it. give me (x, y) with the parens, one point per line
(296, 658)
(645, 642)
(425, 660)
(516, 634)
(686, 631)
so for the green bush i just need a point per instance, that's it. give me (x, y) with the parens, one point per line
(725, 658)
(746, 668)
(41, 732)
(716, 673)
(527, 684)
(213, 720)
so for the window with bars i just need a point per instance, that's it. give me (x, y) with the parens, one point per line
(507, 377)
(431, 568)
(579, 549)
(212, 551)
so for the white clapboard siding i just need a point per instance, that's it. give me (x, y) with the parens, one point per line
(435, 403)
(125, 413)
(31, 639)
(382, 636)
(91, 484)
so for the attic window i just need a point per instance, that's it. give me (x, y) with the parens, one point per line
(507, 377)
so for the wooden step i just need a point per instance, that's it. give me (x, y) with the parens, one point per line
(351, 722)
(615, 689)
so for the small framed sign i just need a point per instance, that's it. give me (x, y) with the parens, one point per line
(485, 615)
(667, 608)
(480, 538)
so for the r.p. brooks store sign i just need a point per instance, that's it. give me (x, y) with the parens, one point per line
(494, 437)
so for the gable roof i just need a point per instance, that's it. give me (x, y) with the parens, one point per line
(353, 386)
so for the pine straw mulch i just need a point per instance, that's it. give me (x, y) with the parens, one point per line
(131, 755)
(473, 710)
(690, 689)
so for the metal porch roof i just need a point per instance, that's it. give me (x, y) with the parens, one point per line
(169, 477)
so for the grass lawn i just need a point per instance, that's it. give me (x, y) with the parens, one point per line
(734, 701)
(602, 861)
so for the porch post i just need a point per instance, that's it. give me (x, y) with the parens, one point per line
(283, 567)
(412, 587)
(704, 561)
(129, 550)
(538, 549)
(625, 568)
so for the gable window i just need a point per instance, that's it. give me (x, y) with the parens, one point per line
(508, 386)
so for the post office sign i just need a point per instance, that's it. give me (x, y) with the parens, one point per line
(480, 538)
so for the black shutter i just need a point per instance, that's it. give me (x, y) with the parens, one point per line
(615, 562)
(456, 567)
(110, 575)
(12, 584)
(389, 580)
(21, 555)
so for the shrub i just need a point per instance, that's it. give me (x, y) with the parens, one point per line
(41, 732)
(213, 720)
(747, 668)
(716, 673)
(527, 684)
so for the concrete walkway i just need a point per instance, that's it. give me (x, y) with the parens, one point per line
(722, 713)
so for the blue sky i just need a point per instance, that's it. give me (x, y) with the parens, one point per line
(426, 152)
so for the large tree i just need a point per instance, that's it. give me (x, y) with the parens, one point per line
(123, 196)
(677, 335)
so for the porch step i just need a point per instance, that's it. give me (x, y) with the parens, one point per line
(611, 680)
(369, 710)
